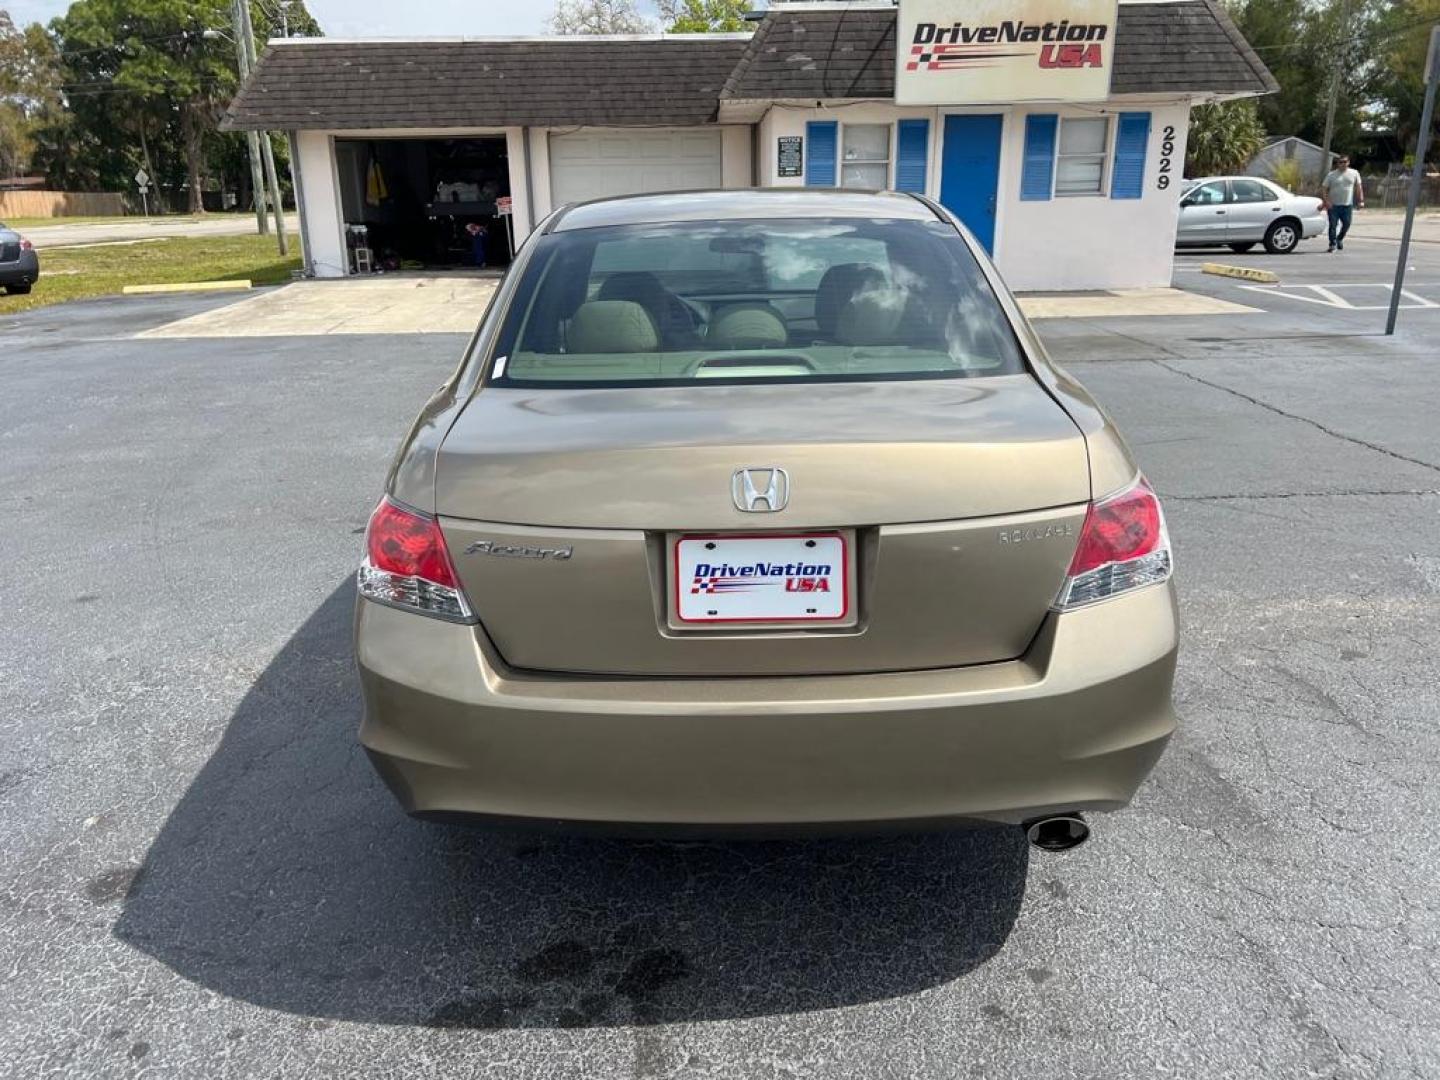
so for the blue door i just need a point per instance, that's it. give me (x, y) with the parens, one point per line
(970, 172)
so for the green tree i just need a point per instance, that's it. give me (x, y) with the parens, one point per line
(704, 16)
(1223, 137)
(1305, 43)
(282, 18)
(144, 85)
(1402, 38)
(148, 65)
(29, 90)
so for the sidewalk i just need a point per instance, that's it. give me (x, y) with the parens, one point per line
(61, 234)
(1386, 225)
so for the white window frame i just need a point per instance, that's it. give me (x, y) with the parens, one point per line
(1106, 157)
(888, 162)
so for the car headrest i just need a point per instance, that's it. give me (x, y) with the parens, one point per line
(754, 325)
(612, 326)
(640, 286)
(837, 286)
(872, 315)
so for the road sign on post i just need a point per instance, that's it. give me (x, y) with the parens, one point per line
(142, 181)
(505, 208)
(1417, 173)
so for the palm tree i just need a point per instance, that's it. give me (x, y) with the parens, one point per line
(1223, 138)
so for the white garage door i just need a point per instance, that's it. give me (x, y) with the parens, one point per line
(594, 164)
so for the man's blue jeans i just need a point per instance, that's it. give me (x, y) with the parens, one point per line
(1340, 218)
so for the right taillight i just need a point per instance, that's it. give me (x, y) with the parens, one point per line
(1123, 546)
(408, 566)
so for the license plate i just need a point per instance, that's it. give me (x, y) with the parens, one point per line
(801, 578)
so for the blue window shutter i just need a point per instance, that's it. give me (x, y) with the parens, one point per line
(912, 155)
(1037, 178)
(1130, 143)
(821, 137)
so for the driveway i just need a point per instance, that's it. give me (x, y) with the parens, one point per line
(390, 304)
(200, 876)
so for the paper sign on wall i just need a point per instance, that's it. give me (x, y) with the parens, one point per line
(985, 52)
(790, 155)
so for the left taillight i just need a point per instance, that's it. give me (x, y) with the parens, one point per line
(1124, 545)
(408, 566)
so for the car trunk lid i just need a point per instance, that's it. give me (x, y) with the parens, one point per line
(958, 503)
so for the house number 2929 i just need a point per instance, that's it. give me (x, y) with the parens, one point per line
(1167, 151)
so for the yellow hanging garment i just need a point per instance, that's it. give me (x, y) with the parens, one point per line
(375, 188)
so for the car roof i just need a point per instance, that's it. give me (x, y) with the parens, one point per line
(739, 204)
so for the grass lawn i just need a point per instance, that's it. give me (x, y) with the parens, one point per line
(80, 273)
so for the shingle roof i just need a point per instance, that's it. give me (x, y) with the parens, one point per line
(418, 84)
(1184, 47)
(1190, 47)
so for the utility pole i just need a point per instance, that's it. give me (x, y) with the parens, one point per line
(252, 138)
(1339, 63)
(1417, 174)
(267, 153)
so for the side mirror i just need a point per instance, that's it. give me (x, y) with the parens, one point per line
(1186, 202)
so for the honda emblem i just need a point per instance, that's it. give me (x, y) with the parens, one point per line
(760, 490)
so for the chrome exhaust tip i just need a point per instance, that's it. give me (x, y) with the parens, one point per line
(1059, 832)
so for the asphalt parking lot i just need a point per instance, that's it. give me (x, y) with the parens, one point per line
(200, 876)
(1321, 290)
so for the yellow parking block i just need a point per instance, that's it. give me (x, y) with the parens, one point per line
(1265, 277)
(188, 286)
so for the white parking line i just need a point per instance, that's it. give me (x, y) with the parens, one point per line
(1329, 296)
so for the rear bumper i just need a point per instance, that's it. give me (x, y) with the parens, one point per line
(25, 271)
(1077, 723)
(1314, 225)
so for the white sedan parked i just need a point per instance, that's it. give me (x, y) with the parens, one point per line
(1239, 212)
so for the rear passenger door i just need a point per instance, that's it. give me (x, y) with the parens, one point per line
(1253, 206)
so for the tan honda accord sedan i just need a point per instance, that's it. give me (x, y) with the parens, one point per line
(764, 509)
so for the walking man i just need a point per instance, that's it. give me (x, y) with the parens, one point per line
(1342, 191)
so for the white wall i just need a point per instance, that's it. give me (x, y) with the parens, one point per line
(521, 220)
(783, 120)
(1077, 242)
(735, 153)
(324, 224)
(1091, 242)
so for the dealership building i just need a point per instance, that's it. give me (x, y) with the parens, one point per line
(1055, 130)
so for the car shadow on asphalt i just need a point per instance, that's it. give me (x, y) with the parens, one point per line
(287, 877)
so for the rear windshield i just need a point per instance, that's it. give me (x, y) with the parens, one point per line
(753, 301)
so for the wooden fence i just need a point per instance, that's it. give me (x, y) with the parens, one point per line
(1392, 191)
(39, 204)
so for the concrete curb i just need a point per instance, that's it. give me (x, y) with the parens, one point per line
(188, 286)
